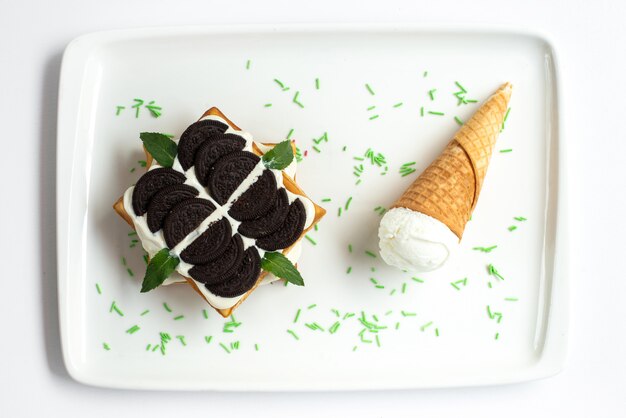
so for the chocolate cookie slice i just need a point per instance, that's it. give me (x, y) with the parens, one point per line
(164, 200)
(289, 232)
(213, 150)
(269, 222)
(150, 183)
(242, 279)
(228, 173)
(184, 218)
(194, 136)
(210, 244)
(216, 270)
(257, 200)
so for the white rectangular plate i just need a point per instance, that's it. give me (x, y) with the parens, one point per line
(432, 334)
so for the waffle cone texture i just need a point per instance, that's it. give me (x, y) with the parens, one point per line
(448, 189)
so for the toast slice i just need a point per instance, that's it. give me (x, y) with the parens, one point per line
(289, 184)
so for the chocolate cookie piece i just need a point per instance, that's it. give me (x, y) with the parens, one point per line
(242, 279)
(213, 150)
(257, 200)
(164, 200)
(269, 222)
(194, 136)
(150, 183)
(210, 244)
(184, 218)
(228, 173)
(289, 232)
(216, 270)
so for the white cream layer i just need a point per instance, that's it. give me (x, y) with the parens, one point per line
(154, 242)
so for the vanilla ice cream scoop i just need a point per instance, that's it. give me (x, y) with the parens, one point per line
(414, 241)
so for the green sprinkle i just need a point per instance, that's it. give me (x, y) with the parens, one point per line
(98, 289)
(405, 313)
(371, 108)
(423, 327)
(311, 240)
(179, 317)
(511, 299)
(205, 314)
(398, 104)
(349, 247)
(155, 348)
(373, 280)
(344, 148)
(492, 271)
(316, 149)
(334, 327)
(417, 279)
(520, 218)
(354, 348)
(312, 306)
(145, 258)
(506, 115)
(430, 112)
(256, 347)
(280, 83)
(431, 93)
(371, 254)
(485, 249)
(225, 348)
(409, 164)
(404, 173)
(373, 117)
(234, 345)
(357, 182)
(130, 272)
(297, 316)
(317, 84)
(379, 286)
(132, 329)
(339, 212)
(512, 228)
(460, 86)
(326, 200)
(422, 111)
(267, 105)
(296, 101)
(348, 203)
(293, 334)
(148, 347)
(106, 346)
(403, 287)
(119, 110)
(397, 325)
(348, 315)
(115, 308)
(506, 150)
(290, 133)
(489, 285)
(393, 292)
(315, 228)
(369, 88)
(248, 65)
(436, 332)
(377, 341)
(167, 308)
(132, 170)
(459, 121)
(145, 312)
(497, 335)
(349, 270)
(425, 74)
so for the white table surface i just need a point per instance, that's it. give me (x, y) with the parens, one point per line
(590, 38)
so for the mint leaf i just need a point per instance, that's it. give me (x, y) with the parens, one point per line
(159, 269)
(280, 266)
(162, 148)
(279, 157)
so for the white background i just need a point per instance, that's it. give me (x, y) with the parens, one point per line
(590, 40)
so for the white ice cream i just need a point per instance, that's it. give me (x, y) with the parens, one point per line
(414, 241)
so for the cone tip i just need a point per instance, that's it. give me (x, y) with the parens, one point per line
(506, 88)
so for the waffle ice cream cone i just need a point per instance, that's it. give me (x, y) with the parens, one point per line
(448, 189)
